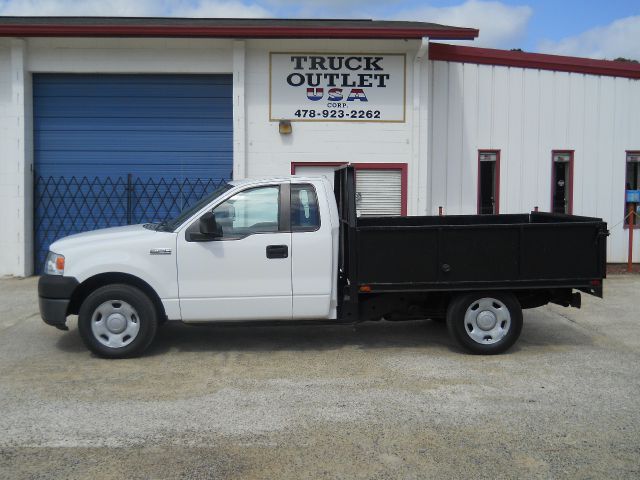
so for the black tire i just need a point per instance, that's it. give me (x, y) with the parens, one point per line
(145, 315)
(464, 330)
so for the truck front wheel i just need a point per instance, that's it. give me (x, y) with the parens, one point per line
(485, 323)
(117, 321)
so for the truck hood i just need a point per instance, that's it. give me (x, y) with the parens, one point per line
(109, 235)
(126, 250)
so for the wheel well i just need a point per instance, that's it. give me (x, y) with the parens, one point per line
(83, 290)
(533, 298)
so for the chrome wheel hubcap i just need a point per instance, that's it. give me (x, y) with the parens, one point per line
(487, 321)
(115, 323)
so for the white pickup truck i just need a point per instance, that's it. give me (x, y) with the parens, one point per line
(293, 250)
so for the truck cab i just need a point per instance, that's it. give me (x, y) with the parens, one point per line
(253, 250)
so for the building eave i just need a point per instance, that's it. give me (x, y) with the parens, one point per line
(227, 28)
(540, 61)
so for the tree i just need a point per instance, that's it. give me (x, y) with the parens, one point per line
(628, 60)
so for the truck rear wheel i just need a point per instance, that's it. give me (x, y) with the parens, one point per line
(117, 321)
(485, 323)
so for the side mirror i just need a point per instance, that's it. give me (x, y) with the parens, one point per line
(209, 227)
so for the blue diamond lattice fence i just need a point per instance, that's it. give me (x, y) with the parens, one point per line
(64, 206)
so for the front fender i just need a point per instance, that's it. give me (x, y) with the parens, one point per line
(133, 258)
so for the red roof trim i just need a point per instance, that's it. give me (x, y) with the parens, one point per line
(232, 32)
(489, 56)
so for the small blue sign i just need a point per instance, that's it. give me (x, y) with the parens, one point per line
(633, 196)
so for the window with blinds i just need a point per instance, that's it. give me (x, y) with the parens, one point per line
(378, 189)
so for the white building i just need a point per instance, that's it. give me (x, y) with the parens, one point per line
(97, 114)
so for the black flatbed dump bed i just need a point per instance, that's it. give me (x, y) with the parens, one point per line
(540, 257)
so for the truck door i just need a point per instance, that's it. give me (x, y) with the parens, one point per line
(313, 265)
(561, 194)
(246, 273)
(488, 182)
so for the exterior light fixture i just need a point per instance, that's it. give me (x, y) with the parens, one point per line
(284, 127)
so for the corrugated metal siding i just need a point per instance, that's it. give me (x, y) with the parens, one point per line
(378, 192)
(149, 125)
(526, 114)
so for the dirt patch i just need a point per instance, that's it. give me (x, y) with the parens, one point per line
(621, 268)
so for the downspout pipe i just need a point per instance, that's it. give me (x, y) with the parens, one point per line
(420, 170)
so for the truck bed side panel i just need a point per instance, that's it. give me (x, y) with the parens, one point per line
(411, 256)
(454, 254)
(554, 250)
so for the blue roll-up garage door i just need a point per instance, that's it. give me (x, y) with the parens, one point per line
(118, 149)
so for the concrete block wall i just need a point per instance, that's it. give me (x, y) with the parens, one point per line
(15, 161)
(8, 166)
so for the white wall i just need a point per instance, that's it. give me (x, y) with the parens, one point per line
(129, 55)
(16, 243)
(269, 153)
(9, 248)
(527, 113)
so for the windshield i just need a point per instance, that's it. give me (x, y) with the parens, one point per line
(171, 224)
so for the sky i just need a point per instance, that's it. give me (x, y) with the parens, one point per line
(585, 28)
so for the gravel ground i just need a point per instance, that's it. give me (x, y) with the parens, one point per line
(380, 400)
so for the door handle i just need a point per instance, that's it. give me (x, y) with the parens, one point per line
(277, 251)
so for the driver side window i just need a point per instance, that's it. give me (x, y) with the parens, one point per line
(255, 210)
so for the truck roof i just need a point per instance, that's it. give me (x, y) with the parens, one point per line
(304, 178)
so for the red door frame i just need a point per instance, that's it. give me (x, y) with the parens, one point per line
(553, 178)
(367, 166)
(636, 224)
(496, 180)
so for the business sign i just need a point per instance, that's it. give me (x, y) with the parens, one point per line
(337, 87)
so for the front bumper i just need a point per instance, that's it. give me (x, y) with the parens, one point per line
(54, 296)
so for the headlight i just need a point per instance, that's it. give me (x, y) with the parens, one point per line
(54, 264)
